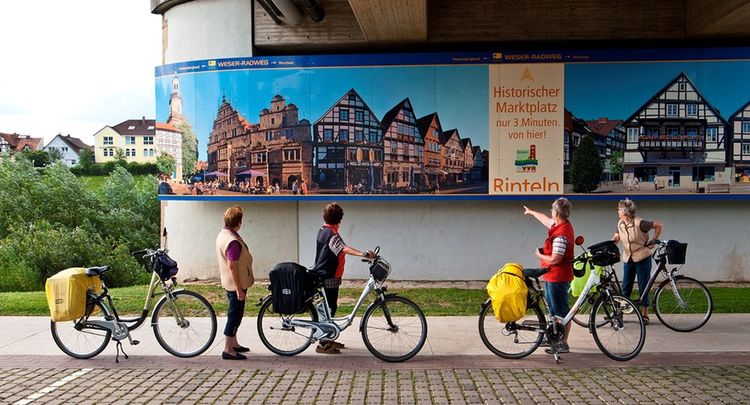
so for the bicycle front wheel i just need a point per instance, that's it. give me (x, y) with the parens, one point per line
(394, 329)
(618, 327)
(686, 308)
(186, 325)
(82, 339)
(279, 335)
(512, 340)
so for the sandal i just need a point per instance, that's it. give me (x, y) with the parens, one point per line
(645, 319)
(325, 348)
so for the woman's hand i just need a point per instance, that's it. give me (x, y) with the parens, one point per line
(527, 211)
(241, 294)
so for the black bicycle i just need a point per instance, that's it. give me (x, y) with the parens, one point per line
(184, 322)
(681, 303)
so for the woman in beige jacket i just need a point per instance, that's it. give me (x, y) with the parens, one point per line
(633, 233)
(236, 273)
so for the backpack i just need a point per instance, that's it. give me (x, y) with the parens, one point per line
(290, 287)
(508, 291)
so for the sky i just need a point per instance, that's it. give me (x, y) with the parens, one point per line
(72, 67)
(457, 93)
(617, 90)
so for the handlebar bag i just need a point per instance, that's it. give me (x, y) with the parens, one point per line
(508, 291)
(66, 293)
(166, 266)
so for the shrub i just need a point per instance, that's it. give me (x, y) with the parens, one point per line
(586, 168)
(16, 274)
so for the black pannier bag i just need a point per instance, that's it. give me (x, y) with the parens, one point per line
(676, 252)
(604, 253)
(290, 287)
(166, 266)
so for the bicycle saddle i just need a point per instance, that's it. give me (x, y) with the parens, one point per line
(96, 271)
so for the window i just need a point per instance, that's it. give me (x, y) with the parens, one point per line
(150, 127)
(344, 135)
(746, 127)
(359, 115)
(343, 115)
(148, 140)
(672, 131)
(145, 152)
(671, 110)
(328, 134)
(269, 136)
(151, 152)
(129, 140)
(292, 155)
(64, 148)
(108, 140)
(712, 134)
(359, 136)
(746, 148)
(373, 136)
(691, 110)
(132, 127)
(127, 152)
(692, 131)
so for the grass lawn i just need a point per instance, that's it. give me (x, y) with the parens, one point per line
(433, 301)
(96, 182)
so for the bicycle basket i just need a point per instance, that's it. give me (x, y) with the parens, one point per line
(165, 266)
(676, 252)
(380, 269)
(604, 253)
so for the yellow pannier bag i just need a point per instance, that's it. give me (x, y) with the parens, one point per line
(66, 293)
(508, 291)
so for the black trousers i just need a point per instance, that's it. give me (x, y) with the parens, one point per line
(235, 312)
(331, 289)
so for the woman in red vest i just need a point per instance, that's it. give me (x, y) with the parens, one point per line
(555, 261)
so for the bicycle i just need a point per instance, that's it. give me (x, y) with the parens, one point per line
(184, 322)
(393, 327)
(690, 304)
(614, 320)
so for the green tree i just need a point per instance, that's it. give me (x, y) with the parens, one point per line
(55, 155)
(616, 162)
(165, 163)
(119, 154)
(38, 158)
(586, 168)
(86, 158)
(189, 146)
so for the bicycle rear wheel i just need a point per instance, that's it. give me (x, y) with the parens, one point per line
(618, 327)
(80, 339)
(686, 308)
(185, 326)
(512, 340)
(279, 335)
(394, 329)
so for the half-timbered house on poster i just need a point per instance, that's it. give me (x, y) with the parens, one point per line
(677, 139)
(432, 132)
(740, 124)
(348, 146)
(468, 158)
(403, 146)
(612, 134)
(453, 156)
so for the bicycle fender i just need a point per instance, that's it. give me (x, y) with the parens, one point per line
(374, 303)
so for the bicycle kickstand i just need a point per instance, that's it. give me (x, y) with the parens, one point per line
(120, 349)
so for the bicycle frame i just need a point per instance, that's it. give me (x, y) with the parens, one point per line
(335, 326)
(661, 267)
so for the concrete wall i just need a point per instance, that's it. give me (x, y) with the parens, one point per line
(207, 29)
(466, 240)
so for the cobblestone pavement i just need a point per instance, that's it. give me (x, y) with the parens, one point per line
(161, 379)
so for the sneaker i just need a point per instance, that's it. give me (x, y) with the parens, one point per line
(326, 348)
(337, 344)
(561, 349)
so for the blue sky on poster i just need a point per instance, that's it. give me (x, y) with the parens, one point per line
(617, 90)
(457, 93)
(76, 66)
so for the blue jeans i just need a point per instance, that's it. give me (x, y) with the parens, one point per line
(235, 312)
(557, 297)
(643, 270)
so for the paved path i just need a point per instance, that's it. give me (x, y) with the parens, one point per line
(711, 365)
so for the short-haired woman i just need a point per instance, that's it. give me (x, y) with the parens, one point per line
(330, 255)
(236, 273)
(632, 232)
(555, 261)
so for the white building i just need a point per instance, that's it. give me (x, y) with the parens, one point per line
(169, 140)
(70, 148)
